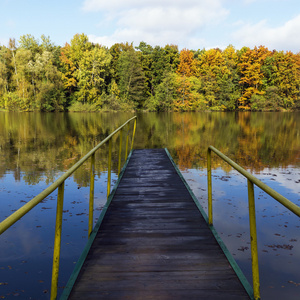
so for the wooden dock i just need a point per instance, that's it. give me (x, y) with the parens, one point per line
(154, 243)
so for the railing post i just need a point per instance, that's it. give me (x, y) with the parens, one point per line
(209, 188)
(57, 241)
(120, 152)
(127, 139)
(253, 239)
(133, 134)
(92, 188)
(109, 167)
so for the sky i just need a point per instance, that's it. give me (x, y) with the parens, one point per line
(191, 24)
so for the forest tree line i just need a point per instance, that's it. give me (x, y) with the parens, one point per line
(36, 75)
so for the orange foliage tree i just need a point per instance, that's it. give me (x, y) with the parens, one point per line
(250, 66)
(189, 95)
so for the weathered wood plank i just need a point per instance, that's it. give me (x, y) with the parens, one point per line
(162, 294)
(153, 242)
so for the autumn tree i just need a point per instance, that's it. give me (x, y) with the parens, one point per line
(71, 56)
(37, 75)
(94, 67)
(185, 70)
(287, 77)
(186, 63)
(250, 66)
(189, 96)
(68, 70)
(210, 67)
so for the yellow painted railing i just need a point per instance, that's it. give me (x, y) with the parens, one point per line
(251, 180)
(59, 184)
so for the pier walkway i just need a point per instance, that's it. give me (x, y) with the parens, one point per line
(154, 243)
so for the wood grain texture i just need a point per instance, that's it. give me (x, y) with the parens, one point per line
(154, 243)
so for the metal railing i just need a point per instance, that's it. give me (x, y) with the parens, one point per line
(251, 180)
(59, 184)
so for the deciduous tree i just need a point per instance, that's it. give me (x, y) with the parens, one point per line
(132, 81)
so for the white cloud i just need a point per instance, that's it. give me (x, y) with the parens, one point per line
(102, 5)
(157, 22)
(283, 37)
(286, 177)
(103, 40)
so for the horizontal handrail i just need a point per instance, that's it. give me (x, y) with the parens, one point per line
(284, 201)
(251, 180)
(59, 184)
(9, 221)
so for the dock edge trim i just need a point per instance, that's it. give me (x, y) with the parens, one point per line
(73, 277)
(244, 281)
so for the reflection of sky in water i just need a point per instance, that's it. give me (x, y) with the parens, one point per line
(26, 249)
(255, 140)
(277, 228)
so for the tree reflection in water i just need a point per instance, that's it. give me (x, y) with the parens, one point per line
(35, 148)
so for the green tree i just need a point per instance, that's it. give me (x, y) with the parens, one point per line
(172, 57)
(94, 66)
(12, 47)
(24, 79)
(156, 63)
(49, 95)
(132, 82)
(29, 42)
(115, 51)
(5, 70)
(229, 92)
(165, 94)
(146, 57)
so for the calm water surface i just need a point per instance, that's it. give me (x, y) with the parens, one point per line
(37, 148)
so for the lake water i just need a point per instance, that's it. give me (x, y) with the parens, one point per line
(36, 148)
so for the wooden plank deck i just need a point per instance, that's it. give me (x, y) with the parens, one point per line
(153, 242)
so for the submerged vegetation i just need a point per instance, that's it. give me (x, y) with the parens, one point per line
(36, 75)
